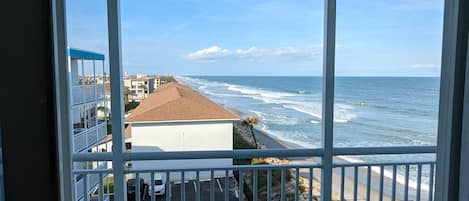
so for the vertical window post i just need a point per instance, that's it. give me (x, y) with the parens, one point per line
(464, 183)
(62, 101)
(451, 115)
(117, 106)
(328, 98)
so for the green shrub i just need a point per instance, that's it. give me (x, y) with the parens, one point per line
(108, 180)
(131, 106)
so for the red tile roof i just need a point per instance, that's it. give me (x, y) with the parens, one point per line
(177, 102)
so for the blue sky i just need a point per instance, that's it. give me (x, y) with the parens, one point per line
(246, 37)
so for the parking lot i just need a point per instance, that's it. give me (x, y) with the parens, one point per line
(190, 191)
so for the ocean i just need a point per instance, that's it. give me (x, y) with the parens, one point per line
(369, 111)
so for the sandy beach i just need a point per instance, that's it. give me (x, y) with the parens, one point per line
(266, 140)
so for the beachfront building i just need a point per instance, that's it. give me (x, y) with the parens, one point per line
(88, 99)
(177, 118)
(157, 82)
(140, 87)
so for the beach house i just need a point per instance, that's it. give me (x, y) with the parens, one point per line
(177, 118)
(140, 87)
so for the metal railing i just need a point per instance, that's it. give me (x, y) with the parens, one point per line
(89, 137)
(302, 181)
(87, 93)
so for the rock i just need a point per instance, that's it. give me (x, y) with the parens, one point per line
(276, 161)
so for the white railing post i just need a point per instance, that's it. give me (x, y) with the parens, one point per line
(117, 106)
(328, 98)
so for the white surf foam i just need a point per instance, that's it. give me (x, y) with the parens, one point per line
(342, 112)
(314, 122)
(259, 92)
(400, 179)
(275, 119)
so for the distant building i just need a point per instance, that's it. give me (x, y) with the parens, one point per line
(140, 87)
(157, 82)
(177, 118)
(87, 97)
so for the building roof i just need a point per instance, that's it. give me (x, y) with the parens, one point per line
(176, 102)
(82, 54)
(141, 79)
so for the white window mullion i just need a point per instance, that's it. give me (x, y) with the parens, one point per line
(63, 101)
(117, 106)
(328, 98)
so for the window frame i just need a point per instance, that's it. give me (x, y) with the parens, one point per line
(64, 120)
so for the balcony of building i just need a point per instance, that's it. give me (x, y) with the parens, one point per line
(87, 91)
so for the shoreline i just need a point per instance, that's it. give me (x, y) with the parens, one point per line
(266, 140)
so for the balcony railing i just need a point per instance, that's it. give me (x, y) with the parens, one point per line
(350, 181)
(87, 93)
(89, 137)
(91, 182)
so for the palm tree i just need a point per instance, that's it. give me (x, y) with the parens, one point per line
(250, 122)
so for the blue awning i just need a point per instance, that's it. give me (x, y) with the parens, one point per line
(82, 54)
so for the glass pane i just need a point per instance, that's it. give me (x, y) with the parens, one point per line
(387, 85)
(387, 69)
(258, 59)
(87, 37)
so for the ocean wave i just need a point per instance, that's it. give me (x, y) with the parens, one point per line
(342, 112)
(301, 92)
(388, 174)
(275, 119)
(205, 86)
(315, 122)
(219, 94)
(281, 136)
(260, 92)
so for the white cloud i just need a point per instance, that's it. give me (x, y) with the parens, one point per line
(216, 53)
(426, 66)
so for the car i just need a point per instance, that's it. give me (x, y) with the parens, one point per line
(159, 187)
